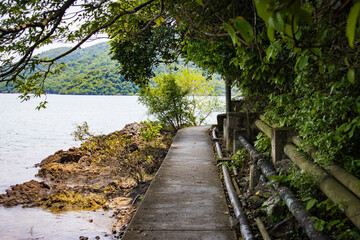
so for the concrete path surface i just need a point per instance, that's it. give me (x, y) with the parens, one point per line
(186, 199)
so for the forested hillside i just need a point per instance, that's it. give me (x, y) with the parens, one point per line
(90, 71)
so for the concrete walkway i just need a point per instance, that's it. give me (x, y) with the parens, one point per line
(186, 199)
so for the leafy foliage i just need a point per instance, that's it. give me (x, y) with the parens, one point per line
(88, 71)
(167, 101)
(202, 96)
(297, 61)
(150, 131)
(82, 132)
(140, 55)
(302, 72)
(180, 99)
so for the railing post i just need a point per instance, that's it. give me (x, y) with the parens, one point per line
(236, 144)
(279, 138)
(235, 124)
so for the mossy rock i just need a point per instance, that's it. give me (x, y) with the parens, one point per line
(70, 200)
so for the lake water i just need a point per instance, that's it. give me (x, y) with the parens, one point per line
(28, 136)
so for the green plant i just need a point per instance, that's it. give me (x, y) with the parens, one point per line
(150, 131)
(167, 101)
(82, 132)
(280, 178)
(263, 144)
(302, 183)
(202, 96)
(330, 219)
(179, 99)
(240, 158)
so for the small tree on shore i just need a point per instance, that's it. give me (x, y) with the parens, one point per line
(166, 100)
(180, 99)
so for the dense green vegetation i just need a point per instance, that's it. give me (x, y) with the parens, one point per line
(295, 61)
(88, 71)
(91, 71)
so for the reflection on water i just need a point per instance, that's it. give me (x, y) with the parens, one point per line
(34, 223)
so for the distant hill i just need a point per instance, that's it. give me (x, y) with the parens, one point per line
(90, 71)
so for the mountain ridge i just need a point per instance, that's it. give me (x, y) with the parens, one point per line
(88, 71)
(91, 71)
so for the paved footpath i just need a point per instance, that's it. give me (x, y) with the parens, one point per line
(186, 199)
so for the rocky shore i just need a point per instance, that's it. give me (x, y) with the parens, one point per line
(111, 172)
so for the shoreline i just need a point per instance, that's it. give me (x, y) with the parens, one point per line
(109, 172)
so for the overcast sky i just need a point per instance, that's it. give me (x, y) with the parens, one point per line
(60, 44)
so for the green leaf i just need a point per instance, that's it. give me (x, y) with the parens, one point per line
(245, 29)
(351, 75)
(231, 32)
(331, 68)
(347, 126)
(279, 178)
(159, 20)
(289, 30)
(200, 2)
(270, 53)
(310, 204)
(351, 133)
(316, 51)
(262, 10)
(234, 61)
(276, 22)
(334, 222)
(351, 23)
(298, 34)
(277, 46)
(271, 33)
(302, 62)
(319, 226)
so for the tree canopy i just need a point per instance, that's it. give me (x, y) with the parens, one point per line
(296, 61)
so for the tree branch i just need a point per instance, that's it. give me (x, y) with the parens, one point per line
(108, 24)
(25, 59)
(59, 14)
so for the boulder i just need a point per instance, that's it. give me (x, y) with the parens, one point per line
(25, 193)
(273, 206)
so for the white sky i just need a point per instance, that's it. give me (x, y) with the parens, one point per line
(92, 41)
(60, 44)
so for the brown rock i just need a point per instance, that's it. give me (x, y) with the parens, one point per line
(61, 156)
(26, 193)
(255, 202)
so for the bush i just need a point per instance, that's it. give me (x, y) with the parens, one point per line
(167, 101)
(181, 99)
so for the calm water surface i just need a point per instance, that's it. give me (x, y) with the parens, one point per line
(27, 136)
